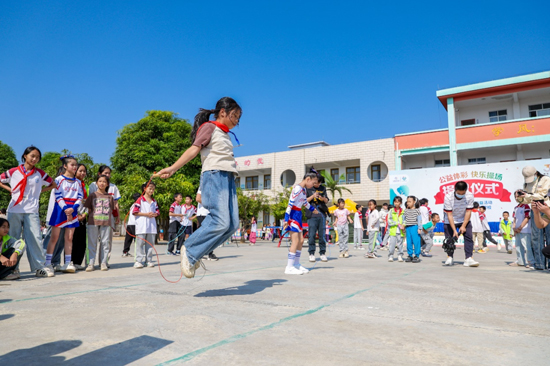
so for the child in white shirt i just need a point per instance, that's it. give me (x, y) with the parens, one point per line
(358, 228)
(146, 210)
(373, 227)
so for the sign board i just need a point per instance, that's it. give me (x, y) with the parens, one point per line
(493, 185)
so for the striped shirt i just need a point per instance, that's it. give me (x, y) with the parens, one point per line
(458, 206)
(410, 216)
(68, 191)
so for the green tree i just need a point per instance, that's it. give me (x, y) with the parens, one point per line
(154, 142)
(280, 203)
(7, 161)
(332, 185)
(250, 206)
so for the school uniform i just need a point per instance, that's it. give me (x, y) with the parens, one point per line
(26, 187)
(9, 246)
(174, 227)
(146, 229)
(186, 222)
(130, 231)
(68, 194)
(373, 225)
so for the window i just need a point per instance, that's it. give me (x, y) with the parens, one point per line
(267, 181)
(442, 162)
(467, 122)
(238, 182)
(476, 161)
(376, 173)
(496, 116)
(266, 218)
(252, 183)
(335, 174)
(353, 175)
(539, 110)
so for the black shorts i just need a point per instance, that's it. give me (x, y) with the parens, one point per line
(188, 230)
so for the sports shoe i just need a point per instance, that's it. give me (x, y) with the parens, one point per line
(125, 254)
(361, 247)
(324, 258)
(356, 247)
(390, 259)
(187, 268)
(424, 254)
(79, 267)
(212, 257)
(57, 268)
(498, 247)
(90, 268)
(178, 252)
(470, 262)
(416, 259)
(400, 258)
(312, 258)
(346, 254)
(408, 260)
(138, 265)
(303, 269)
(485, 250)
(12, 276)
(104, 267)
(481, 251)
(150, 264)
(47, 271)
(293, 271)
(68, 268)
(509, 251)
(341, 255)
(449, 261)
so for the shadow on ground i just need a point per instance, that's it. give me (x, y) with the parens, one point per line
(119, 354)
(249, 288)
(6, 316)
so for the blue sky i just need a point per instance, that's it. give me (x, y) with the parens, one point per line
(73, 73)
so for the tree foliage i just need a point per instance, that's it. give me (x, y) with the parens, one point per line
(7, 161)
(280, 203)
(154, 142)
(332, 185)
(250, 206)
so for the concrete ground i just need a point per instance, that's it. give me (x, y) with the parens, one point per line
(245, 310)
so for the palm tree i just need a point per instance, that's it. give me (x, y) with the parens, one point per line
(332, 185)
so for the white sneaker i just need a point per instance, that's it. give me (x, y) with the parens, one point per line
(90, 268)
(150, 265)
(187, 269)
(470, 262)
(293, 270)
(449, 261)
(390, 259)
(324, 258)
(12, 276)
(303, 269)
(58, 268)
(312, 258)
(47, 271)
(138, 265)
(79, 267)
(361, 248)
(68, 268)
(104, 267)
(355, 247)
(400, 258)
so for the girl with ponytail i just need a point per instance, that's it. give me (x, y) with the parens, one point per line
(219, 196)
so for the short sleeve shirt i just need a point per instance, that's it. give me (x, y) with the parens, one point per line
(33, 188)
(457, 206)
(341, 216)
(100, 208)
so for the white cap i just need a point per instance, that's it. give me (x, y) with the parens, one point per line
(529, 174)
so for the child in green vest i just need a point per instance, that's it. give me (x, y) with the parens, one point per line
(506, 231)
(11, 252)
(396, 229)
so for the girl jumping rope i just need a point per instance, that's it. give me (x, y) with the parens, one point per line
(211, 139)
(68, 198)
(293, 222)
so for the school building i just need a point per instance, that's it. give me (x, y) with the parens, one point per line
(488, 122)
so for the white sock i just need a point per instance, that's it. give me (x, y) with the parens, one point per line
(291, 259)
(297, 258)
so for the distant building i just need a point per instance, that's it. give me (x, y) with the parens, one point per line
(496, 121)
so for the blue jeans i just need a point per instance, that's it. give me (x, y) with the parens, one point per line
(316, 226)
(219, 196)
(537, 243)
(413, 241)
(29, 224)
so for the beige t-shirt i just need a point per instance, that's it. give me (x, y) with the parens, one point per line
(216, 149)
(100, 206)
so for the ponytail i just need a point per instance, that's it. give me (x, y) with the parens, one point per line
(226, 103)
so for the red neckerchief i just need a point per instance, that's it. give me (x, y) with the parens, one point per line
(475, 210)
(22, 183)
(84, 192)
